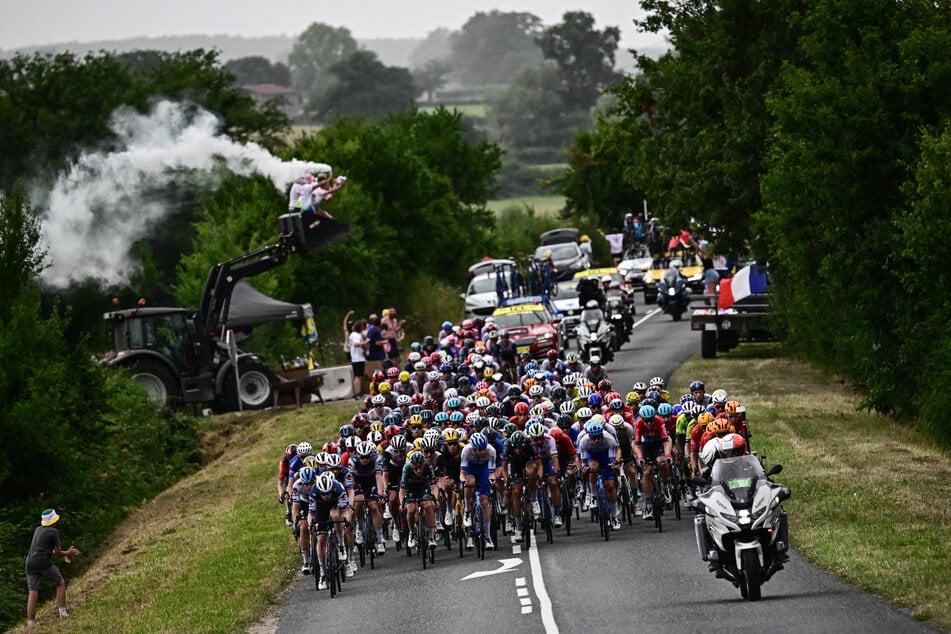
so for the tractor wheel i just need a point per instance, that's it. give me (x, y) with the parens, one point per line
(158, 381)
(254, 386)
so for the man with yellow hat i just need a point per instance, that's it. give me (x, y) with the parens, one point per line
(39, 564)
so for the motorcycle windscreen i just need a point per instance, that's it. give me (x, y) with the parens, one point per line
(737, 474)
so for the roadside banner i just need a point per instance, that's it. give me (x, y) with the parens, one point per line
(747, 281)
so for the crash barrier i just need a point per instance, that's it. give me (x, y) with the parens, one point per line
(298, 383)
(337, 382)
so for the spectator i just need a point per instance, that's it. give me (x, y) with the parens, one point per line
(358, 355)
(375, 351)
(392, 328)
(294, 199)
(347, 328)
(710, 276)
(40, 566)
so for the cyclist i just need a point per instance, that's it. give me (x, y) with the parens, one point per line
(283, 476)
(520, 418)
(548, 453)
(651, 442)
(418, 489)
(521, 464)
(624, 432)
(328, 502)
(600, 453)
(451, 460)
(695, 434)
(476, 466)
(718, 401)
(698, 391)
(367, 472)
(300, 499)
(394, 458)
(736, 414)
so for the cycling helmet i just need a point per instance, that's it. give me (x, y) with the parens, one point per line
(632, 398)
(415, 409)
(571, 357)
(376, 437)
(346, 431)
(537, 411)
(330, 447)
(656, 382)
(304, 449)
(685, 397)
(721, 426)
(521, 408)
(441, 418)
(568, 407)
(379, 400)
(647, 412)
(290, 451)
(604, 385)
(432, 433)
(639, 387)
(450, 435)
(665, 409)
(445, 368)
(565, 421)
(419, 365)
(654, 394)
(427, 416)
(365, 448)
(529, 384)
(385, 388)
(569, 380)
(732, 407)
(584, 392)
(616, 404)
(417, 444)
(509, 429)
(456, 417)
(677, 409)
(536, 391)
(471, 418)
(325, 482)
(404, 400)
(595, 400)
(351, 443)
(378, 376)
(431, 443)
(453, 403)
(559, 393)
(413, 357)
(594, 429)
(392, 372)
(398, 443)
(616, 421)
(478, 441)
(705, 418)
(719, 396)
(514, 391)
(320, 459)
(535, 430)
(518, 440)
(493, 409)
(597, 418)
(585, 412)
(494, 422)
(697, 386)
(417, 459)
(415, 420)
(691, 408)
(451, 393)
(333, 461)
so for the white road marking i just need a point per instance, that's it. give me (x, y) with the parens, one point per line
(522, 592)
(525, 601)
(520, 581)
(645, 318)
(516, 549)
(508, 565)
(538, 583)
(526, 609)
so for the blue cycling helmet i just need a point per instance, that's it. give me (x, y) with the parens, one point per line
(441, 417)
(696, 386)
(530, 367)
(347, 431)
(447, 325)
(390, 419)
(457, 417)
(478, 441)
(415, 409)
(454, 403)
(594, 429)
(665, 409)
(445, 368)
(307, 475)
(427, 415)
(654, 393)
(678, 409)
(398, 415)
(685, 397)
(416, 346)
(595, 400)
(647, 411)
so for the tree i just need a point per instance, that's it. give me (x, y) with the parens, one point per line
(365, 86)
(431, 77)
(22, 257)
(492, 48)
(435, 47)
(258, 70)
(318, 48)
(585, 57)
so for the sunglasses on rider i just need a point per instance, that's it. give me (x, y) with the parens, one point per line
(429, 452)
(452, 444)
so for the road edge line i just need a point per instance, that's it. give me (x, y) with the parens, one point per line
(538, 584)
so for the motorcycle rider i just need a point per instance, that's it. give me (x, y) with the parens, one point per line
(672, 279)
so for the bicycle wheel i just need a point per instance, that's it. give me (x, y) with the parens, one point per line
(528, 522)
(479, 525)
(314, 561)
(675, 495)
(658, 502)
(547, 519)
(566, 508)
(624, 499)
(331, 563)
(422, 538)
(603, 514)
(362, 546)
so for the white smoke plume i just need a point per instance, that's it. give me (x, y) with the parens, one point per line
(102, 205)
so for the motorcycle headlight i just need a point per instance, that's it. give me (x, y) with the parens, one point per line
(743, 517)
(671, 291)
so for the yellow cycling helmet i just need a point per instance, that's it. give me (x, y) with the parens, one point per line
(376, 426)
(404, 376)
(632, 398)
(385, 387)
(310, 461)
(488, 373)
(415, 420)
(584, 238)
(705, 418)
(721, 426)
(418, 444)
(451, 435)
(732, 407)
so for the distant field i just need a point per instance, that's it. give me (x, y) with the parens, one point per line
(470, 110)
(543, 205)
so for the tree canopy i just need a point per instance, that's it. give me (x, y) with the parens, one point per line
(365, 86)
(492, 48)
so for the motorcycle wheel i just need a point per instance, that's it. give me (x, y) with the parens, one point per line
(752, 575)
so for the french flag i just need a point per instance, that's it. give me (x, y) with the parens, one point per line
(748, 281)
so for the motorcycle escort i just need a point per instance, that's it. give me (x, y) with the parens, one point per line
(595, 335)
(673, 295)
(741, 527)
(620, 319)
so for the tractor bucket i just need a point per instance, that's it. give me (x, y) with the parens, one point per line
(310, 232)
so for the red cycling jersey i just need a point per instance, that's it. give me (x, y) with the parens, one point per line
(562, 442)
(650, 430)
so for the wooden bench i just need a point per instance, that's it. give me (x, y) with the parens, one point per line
(297, 383)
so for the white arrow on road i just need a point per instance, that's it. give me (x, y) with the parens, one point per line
(507, 565)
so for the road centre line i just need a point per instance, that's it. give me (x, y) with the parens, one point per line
(645, 318)
(538, 583)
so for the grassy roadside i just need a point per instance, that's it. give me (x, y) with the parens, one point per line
(870, 504)
(543, 205)
(871, 498)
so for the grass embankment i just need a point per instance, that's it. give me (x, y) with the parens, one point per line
(870, 504)
(548, 206)
(871, 497)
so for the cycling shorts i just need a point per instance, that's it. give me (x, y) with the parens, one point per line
(548, 469)
(653, 450)
(480, 472)
(366, 487)
(603, 458)
(418, 495)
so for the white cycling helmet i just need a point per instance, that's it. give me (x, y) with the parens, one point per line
(304, 449)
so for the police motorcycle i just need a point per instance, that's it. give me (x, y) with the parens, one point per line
(741, 528)
(596, 337)
(673, 294)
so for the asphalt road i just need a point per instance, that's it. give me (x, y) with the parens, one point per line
(640, 581)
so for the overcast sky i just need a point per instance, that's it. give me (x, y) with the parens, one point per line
(39, 22)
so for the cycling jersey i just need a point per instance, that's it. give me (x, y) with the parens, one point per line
(564, 445)
(602, 450)
(516, 461)
(650, 430)
(417, 486)
(393, 467)
(321, 506)
(451, 463)
(300, 493)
